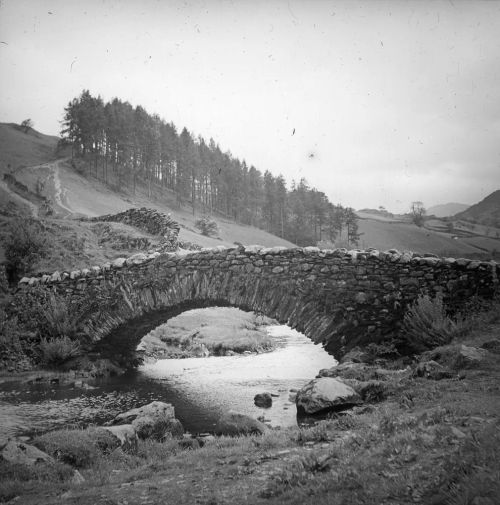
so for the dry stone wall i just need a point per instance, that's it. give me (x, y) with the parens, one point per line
(337, 297)
(148, 220)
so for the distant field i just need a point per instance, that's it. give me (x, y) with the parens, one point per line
(404, 236)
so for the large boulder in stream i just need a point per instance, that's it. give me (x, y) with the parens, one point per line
(154, 420)
(325, 394)
(233, 424)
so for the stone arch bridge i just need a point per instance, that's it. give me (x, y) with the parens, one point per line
(337, 297)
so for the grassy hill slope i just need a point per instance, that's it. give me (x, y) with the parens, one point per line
(486, 211)
(18, 148)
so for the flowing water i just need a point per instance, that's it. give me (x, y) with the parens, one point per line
(199, 388)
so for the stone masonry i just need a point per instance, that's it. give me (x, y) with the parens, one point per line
(148, 220)
(336, 297)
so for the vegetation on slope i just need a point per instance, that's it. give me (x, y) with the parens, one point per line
(126, 147)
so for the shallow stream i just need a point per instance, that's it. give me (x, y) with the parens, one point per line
(199, 388)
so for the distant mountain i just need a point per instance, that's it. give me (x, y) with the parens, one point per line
(485, 212)
(447, 209)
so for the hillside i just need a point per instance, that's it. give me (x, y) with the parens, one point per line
(447, 209)
(486, 212)
(71, 195)
(19, 149)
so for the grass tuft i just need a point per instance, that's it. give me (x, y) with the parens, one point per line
(426, 324)
(56, 351)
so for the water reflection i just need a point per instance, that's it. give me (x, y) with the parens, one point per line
(216, 384)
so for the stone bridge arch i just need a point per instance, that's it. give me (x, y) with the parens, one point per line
(144, 305)
(335, 297)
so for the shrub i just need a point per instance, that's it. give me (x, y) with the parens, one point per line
(426, 324)
(25, 244)
(56, 351)
(207, 226)
(57, 319)
(27, 125)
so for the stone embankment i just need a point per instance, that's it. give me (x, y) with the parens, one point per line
(337, 297)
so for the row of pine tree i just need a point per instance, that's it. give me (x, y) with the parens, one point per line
(129, 147)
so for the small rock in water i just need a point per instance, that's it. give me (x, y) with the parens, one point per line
(263, 400)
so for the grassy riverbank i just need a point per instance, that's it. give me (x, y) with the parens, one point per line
(429, 442)
(217, 331)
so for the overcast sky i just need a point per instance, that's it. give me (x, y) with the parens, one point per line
(390, 102)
